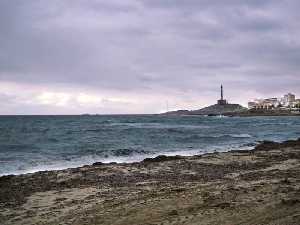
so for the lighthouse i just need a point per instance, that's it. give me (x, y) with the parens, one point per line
(222, 101)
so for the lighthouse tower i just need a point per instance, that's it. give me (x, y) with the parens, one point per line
(222, 101)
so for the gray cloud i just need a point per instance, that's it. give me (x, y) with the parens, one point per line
(181, 50)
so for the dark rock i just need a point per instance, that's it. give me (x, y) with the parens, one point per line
(290, 202)
(162, 158)
(222, 205)
(178, 190)
(98, 164)
(286, 181)
(271, 145)
(6, 178)
(291, 143)
(173, 213)
(241, 151)
(267, 145)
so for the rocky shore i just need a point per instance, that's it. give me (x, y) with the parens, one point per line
(232, 110)
(261, 186)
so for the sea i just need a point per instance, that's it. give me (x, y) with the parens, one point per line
(37, 143)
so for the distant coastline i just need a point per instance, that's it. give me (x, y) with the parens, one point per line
(246, 113)
(289, 106)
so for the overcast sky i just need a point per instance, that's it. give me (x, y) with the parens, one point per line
(132, 56)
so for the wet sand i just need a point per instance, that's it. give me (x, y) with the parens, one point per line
(261, 186)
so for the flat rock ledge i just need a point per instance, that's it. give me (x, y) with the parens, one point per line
(260, 186)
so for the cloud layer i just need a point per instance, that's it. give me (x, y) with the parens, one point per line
(126, 56)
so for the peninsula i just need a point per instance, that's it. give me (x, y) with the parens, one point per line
(288, 106)
(221, 108)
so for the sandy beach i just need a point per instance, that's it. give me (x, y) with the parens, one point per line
(260, 186)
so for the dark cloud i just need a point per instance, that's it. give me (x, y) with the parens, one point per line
(151, 48)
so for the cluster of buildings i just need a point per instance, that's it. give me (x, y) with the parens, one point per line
(288, 101)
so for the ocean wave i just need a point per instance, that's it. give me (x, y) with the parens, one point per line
(240, 135)
(60, 164)
(160, 125)
(210, 137)
(95, 130)
(174, 130)
(128, 152)
(16, 147)
(229, 136)
(275, 124)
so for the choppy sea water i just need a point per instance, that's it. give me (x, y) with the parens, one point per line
(34, 143)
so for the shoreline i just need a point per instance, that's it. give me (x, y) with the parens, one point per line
(234, 114)
(238, 186)
(139, 159)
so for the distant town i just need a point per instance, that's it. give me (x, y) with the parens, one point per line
(287, 105)
(287, 102)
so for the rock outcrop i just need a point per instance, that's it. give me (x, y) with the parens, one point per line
(216, 109)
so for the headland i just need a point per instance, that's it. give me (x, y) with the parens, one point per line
(287, 106)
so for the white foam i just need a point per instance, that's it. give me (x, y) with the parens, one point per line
(240, 135)
(89, 160)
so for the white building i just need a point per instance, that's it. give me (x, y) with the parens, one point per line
(287, 101)
(296, 103)
(264, 103)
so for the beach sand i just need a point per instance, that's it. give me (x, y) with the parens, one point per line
(261, 186)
